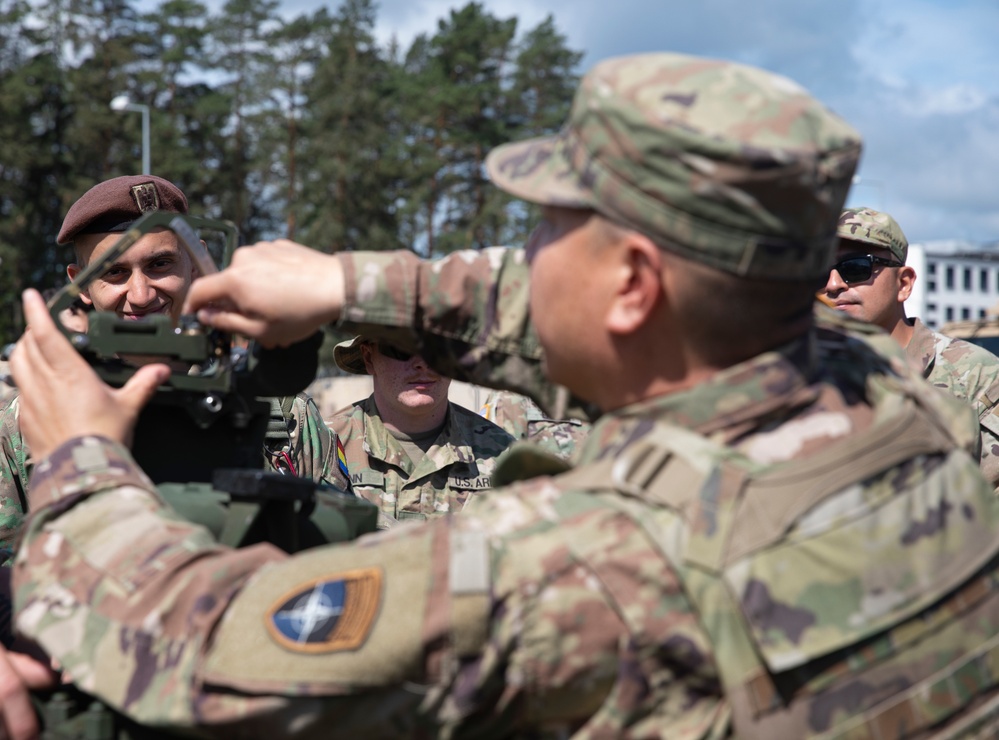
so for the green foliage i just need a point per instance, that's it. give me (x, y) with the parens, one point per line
(304, 127)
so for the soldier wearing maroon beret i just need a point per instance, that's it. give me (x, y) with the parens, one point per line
(153, 276)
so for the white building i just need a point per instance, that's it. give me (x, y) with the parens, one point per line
(955, 280)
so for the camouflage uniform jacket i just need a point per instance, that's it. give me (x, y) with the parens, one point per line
(968, 372)
(7, 390)
(309, 452)
(522, 418)
(764, 555)
(459, 465)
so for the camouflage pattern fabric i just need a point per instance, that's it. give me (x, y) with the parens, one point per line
(505, 354)
(799, 546)
(458, 465)
(522, 419)
(753, 555)
(15, 466)
(968, 372)
(309, 452)
(877, 229)
(7, 390)
(726, 164)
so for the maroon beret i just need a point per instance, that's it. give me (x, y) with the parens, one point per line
(113, 205)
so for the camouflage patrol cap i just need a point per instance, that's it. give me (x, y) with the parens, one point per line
(114, 205)
(347, 356)
(867, 226)
(725, 164)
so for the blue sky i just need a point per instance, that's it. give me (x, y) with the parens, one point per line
(918, 78)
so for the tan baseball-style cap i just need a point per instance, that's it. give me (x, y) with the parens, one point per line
(347, 356)
(874, 228)
(114, 205)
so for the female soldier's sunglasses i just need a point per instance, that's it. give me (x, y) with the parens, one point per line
(393, 352)
(859, 268)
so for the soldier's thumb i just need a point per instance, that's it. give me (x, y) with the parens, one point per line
(141, 387)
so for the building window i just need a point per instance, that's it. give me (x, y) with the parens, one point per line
(931, 308)
(981, 313)
(949, 278)
(965, 313)
(983, 280)
(931, 267)
(931, 286)
(949, 312)
(967, 279)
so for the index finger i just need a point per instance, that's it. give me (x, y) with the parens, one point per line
(36, 313)
(208, 289)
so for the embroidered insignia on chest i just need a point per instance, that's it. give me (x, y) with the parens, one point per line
(328, 614)
(341, 458)
(146, 197)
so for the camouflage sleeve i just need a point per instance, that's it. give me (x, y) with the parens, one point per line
(107, 572)
(314, 445)
(468, 314)
(988, 419)
(445, 626)
(13, 478)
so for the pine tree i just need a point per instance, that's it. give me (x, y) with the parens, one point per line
(348, 196)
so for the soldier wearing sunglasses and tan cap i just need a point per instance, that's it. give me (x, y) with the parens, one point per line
(408, 448)
(871, 282)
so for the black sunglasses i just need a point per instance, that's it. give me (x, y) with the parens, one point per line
(859, 269)
(393, 352)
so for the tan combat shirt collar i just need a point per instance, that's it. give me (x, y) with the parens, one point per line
(451, 447)
(735, 401)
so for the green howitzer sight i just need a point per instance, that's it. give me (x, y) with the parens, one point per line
(202, 438)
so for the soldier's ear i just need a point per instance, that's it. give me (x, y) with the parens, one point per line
(72, 270)
(638, 289)
(906, 279)
(366, 357)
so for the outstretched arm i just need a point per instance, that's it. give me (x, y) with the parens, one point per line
(468, 314)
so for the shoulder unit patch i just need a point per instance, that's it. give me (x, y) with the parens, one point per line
(328, 614)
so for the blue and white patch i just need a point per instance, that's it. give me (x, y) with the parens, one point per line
(327, 614)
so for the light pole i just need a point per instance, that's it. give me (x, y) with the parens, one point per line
(123, 102)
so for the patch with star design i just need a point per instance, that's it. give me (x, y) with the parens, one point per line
(327, 614)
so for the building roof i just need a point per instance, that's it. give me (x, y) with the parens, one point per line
(958, 248)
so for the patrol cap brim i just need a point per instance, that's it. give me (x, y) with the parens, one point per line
(347, 356)
(538, 170)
